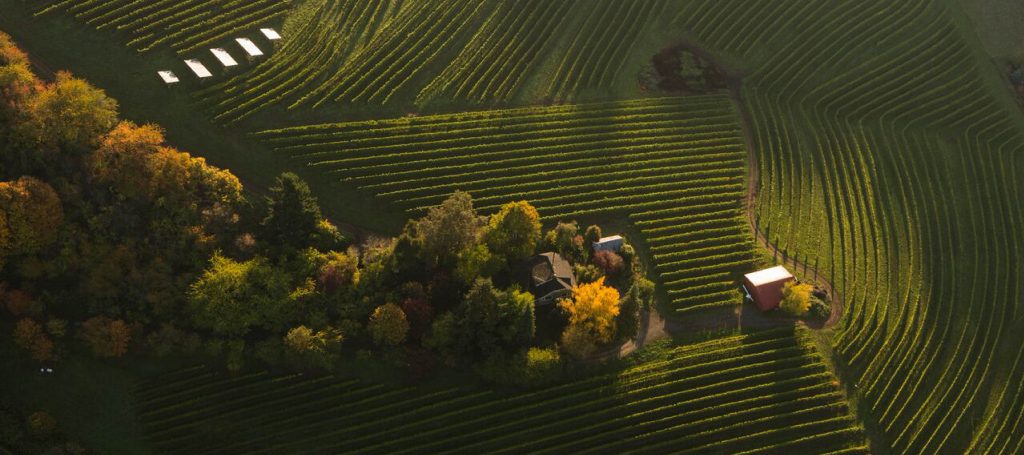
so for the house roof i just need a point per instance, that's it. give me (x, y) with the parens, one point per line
(767, 276)
(549, 273)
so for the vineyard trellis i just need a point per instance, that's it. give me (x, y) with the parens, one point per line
(762, 392)
(673, 166)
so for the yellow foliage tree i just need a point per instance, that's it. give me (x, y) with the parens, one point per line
(388, 325)
(30, 336)
(592, 311)
(796, 299)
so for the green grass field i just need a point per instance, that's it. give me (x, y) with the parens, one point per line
(888, 150)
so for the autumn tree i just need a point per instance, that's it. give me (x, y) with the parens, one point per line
(33, 214)
(29, 335)
(448, 229)
(106, 337)
(796, 299)
(610, 263)
(232, 297)
(420, 314)
(388, 325)
(293, 214)
(314, 347)
(70, 112)
(592, 235)
(17, 83)
(339, 271)
(592, 311)
(566, 241)
(514, 231)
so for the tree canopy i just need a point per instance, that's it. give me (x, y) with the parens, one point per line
(514, 231)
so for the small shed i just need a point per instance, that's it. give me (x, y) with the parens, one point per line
(250, 48)
(197, 67)
(610, 243)
(224, 57)
(168, 77)
(550, 278)
(270, 33)
(764, 287)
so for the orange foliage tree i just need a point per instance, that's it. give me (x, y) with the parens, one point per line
(29, 335)
(32, 215)
(106, 337)
(592, 311)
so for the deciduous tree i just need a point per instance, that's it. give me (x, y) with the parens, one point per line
(33, 215)
(448, 229)
(493, 321)
(72, 113)
(29, 335)
(106, 337)
(592, 311)
(232, 297)
(514, 231)
(388, 325)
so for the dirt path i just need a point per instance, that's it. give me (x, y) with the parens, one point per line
(753, 181)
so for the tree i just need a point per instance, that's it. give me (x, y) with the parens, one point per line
(514, 231)
(232, 297)
(610, 263)
(492, 321)
(592, 235)
(106, 337)
(420, 314)
(448, 229)
(33, 216)
(566, 241)
(341, 270)
(477, 262)
(293, 214)
(388, 325)
(317, 348)
(627, 323)
(29, 335)
(592, 312)
(72, 113)
(796, 299)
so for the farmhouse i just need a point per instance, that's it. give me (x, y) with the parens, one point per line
(764, 287)
(610, 243)
(550, 278)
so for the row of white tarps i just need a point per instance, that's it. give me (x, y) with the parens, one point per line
(225, 58)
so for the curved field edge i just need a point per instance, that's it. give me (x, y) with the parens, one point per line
(902, 186)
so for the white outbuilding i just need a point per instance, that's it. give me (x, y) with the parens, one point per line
(610, 243)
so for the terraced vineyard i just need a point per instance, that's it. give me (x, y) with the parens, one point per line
(183, 25)
(600, 45)
(673, 166)
(328, 33)
(760, 393)
(904, 184)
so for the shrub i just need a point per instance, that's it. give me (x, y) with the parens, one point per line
(819, 309)
(41, 424)
(796, 299)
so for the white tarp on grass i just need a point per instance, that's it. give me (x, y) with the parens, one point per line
(197, 67)
(271, 34)
(168, 77)
(249, 46)
(224, 57)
